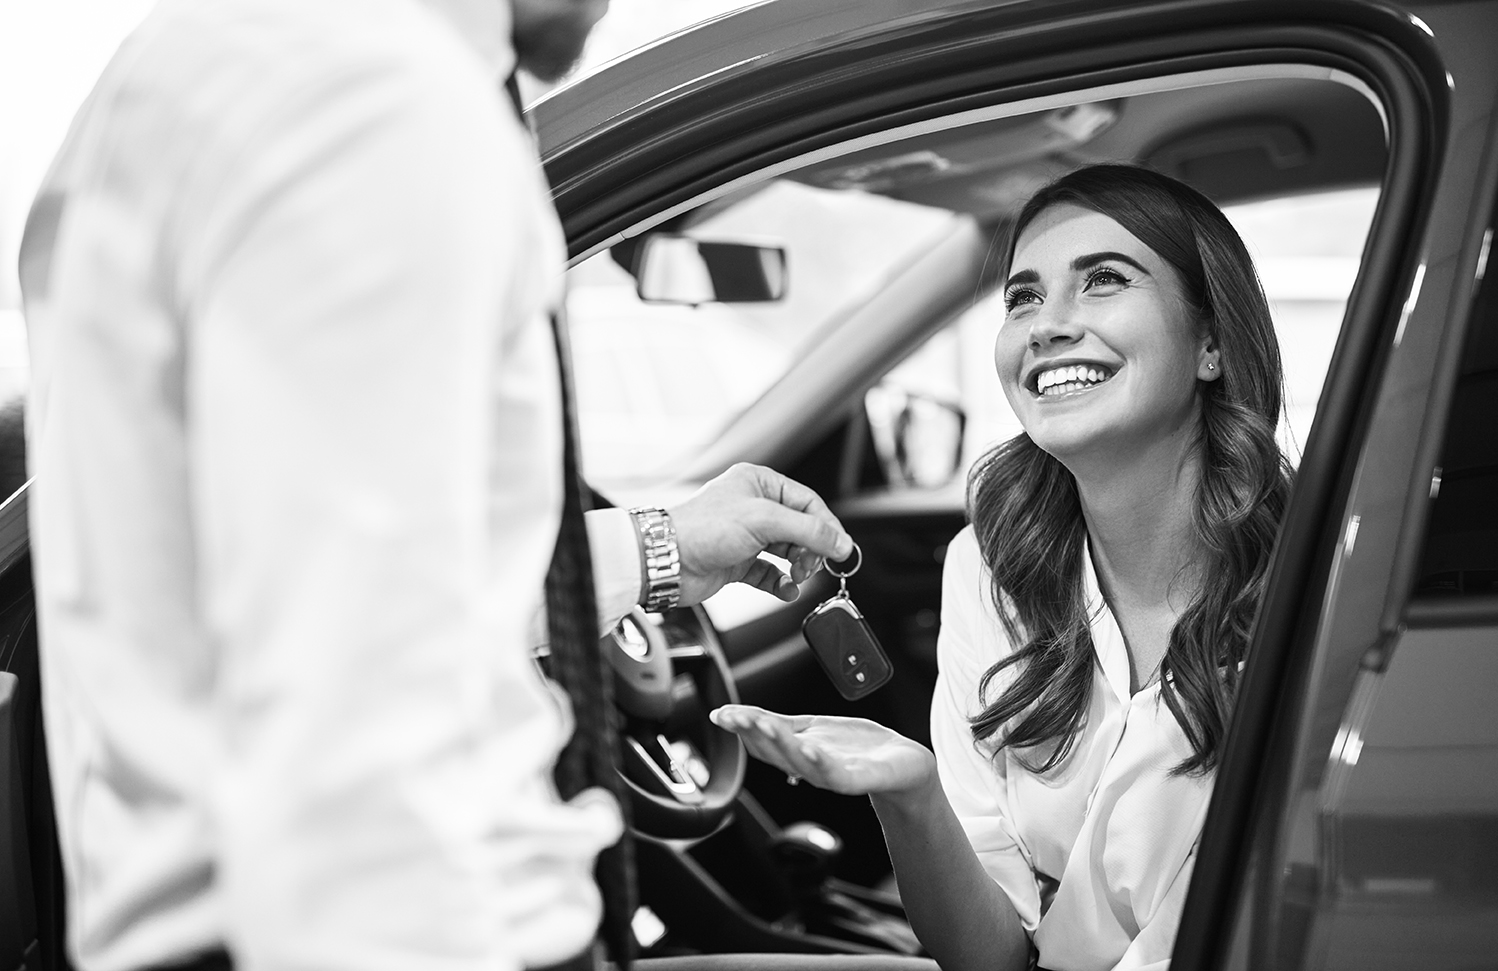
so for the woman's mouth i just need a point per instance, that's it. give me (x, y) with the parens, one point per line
(1054, 382)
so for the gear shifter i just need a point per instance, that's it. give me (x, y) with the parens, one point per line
(805, 852)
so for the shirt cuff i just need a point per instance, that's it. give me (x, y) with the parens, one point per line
(617, 571)
(615, 544)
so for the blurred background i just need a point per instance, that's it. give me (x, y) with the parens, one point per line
(1307, 250)
(51, 52)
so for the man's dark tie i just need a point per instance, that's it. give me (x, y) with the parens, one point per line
(578, 665)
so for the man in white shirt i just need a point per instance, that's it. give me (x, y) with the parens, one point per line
(295, 428)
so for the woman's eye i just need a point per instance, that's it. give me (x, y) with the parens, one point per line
(1104, 276)
(1019, 295)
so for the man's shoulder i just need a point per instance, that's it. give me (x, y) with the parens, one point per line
(271, 45)
(207, 84)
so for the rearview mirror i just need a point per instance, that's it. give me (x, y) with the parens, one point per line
(683, 270)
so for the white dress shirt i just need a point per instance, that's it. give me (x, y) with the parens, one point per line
(1096, 854)
(295, 430)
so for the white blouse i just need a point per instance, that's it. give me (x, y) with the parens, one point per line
(1095, 854)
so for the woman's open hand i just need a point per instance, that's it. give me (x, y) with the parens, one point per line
(853, 756)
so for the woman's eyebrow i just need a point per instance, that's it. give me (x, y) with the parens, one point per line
(1093, 259)
(1086, 262)
(1023, 276)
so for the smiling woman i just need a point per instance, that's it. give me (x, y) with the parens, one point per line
(1130, 307)
(1174, 318)
(1095, 614)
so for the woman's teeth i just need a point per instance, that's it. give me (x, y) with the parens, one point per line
(1061, 380)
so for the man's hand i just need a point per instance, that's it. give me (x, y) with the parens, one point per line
(722, 529)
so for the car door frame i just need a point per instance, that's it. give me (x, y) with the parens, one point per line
(669, 148)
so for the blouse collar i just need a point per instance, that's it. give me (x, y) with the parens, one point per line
(1107, 637)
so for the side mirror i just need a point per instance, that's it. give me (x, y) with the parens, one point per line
(918, 437)
(683, 270)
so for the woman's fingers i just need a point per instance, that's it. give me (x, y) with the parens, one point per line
(738, 717)
(824, 750)
(775, 738)
(763, 749)
(798, 755)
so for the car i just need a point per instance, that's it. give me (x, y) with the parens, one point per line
(783, 229)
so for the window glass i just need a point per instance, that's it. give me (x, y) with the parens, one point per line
(657, 381)
(1461, 543)
(1306, 249)
(1403, 844)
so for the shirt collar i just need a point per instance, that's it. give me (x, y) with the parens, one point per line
(485, 26)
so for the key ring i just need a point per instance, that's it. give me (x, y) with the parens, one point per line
(856, 564)
(842, 578)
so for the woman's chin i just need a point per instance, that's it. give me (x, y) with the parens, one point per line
(1072, 438)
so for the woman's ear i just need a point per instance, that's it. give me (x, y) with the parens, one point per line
(1208, 360)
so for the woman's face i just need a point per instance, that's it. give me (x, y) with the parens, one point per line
(1099, 354)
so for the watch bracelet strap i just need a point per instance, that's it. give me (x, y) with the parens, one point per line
(662, 557)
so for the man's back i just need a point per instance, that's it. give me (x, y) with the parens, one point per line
(293, 418)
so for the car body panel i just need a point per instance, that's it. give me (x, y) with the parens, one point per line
(739, 118)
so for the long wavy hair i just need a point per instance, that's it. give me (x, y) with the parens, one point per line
(1025, 509)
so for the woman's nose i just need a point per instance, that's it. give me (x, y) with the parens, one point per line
(1054, 324)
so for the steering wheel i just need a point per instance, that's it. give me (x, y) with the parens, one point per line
(682, 771)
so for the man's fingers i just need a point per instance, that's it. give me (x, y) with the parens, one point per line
(785, 551)
(788, 492)
(804, 564)
(775, 523)
(791, 495)
(767, 577)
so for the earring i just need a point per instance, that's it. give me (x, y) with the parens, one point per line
(1211, 366)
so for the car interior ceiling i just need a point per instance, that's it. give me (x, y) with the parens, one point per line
(1233, 141)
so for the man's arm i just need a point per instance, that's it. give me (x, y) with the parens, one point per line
(721, 530)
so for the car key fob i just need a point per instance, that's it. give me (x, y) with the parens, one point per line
(843, 643)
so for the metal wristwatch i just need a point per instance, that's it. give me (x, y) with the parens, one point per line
(662, 560)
